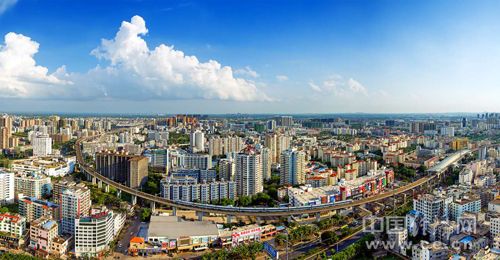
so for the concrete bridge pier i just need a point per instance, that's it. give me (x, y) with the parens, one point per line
(134, 200)
(229, 219)
(106, 188)
(153, 207)
(119, 193)
(318, 216)
(174, 211)
(200, 215)
(258, 220)
(94, 180)
(99, 184)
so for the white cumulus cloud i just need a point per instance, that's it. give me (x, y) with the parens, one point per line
(338, 86)
(164, 72)
(20, 76)
(281, 78)
(134, 72)
(315, 87)
(356, 87)
(247, 71)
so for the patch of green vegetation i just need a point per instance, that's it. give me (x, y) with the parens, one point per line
(12, 256)
(152, 185)
(178, 138)
(145, 214)
(10, 208)
(249, 251)
(99, 197)
(405, 173)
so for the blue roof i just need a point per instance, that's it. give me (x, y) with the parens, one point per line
(44, 202)
(466, 239)
(414, 212)
(49, 224)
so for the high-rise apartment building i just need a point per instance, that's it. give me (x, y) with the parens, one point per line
(4, 138)
(292, 167)
(130, 170)
(286, 121)
(6, 121)
(197, 141)
(270, 143)
(432, 207)
(31, 185)
(75, 203)
(7, 190)
(227, 169)
(42, 145)
(188, 189)
(267, 162)
(248, 172)
(215, 146)
(271, 125)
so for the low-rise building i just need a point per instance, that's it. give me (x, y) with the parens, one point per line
(430, 251)
(172, 233)
(55, 166)
(42, 233)
(13, 231)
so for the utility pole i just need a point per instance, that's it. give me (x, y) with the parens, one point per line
(286, 254)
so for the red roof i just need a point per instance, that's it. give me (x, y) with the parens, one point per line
(137, 240)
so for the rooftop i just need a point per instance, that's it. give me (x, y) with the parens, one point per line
(173, 227)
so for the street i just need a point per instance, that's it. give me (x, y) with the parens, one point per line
(131, 230)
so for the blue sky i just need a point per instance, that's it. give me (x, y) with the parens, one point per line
(283, 56)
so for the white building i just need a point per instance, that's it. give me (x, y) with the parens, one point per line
(6, 187)
(292, 167)
(398, 237)
(494, 227)
(75, 203)
(465, 176)
(249, 172)
(13, 224)
(432, 207)
(180, 159)
(42, 145)
(188, 189)
(448, 131)
(494, 206)
(31, 184)
(469, 203)
(197, 141)
(430, 251)
(94, 233)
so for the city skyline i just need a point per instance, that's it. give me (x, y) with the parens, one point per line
(259, 57)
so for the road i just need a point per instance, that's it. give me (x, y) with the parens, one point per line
(125, 236)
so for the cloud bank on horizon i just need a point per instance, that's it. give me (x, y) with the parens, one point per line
(135, 72)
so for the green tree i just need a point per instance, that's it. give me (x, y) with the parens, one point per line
(145, 214)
